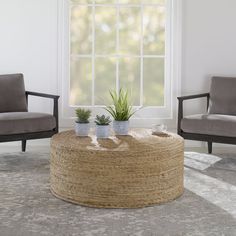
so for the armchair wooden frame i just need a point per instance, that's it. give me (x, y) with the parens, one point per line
(200, 137)
(36, 135)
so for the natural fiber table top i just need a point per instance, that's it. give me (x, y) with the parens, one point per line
(136, 140)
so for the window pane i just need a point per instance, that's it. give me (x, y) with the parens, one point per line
(130, 77)
(81, 1)
(142, 1)
(153, 83)
(105, 79)
(81, 82)
(105, 30)
(154, 30)
(105, 1)
(81, 30)
(154, 1)
(130, 1)
(130, 29)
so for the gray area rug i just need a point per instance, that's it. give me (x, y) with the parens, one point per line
(27, 207)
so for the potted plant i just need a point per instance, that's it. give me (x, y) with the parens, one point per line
(121, 111)
(82, 125)
(102, 126)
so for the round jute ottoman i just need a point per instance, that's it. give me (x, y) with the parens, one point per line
(131, 171)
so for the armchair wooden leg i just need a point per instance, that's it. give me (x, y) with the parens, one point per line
(23, 145)
(209, 147)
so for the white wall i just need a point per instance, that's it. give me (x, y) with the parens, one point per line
(209, 43)
(28, 44)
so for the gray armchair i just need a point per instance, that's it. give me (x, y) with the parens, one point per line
(218, 124)
(16, 123)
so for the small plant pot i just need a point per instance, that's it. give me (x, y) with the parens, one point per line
(102, 131)
(82, 129)
(121, 127)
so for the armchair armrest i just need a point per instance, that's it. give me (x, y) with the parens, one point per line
(193, 96)
(44, 95)
(180, 108)
(55, 106)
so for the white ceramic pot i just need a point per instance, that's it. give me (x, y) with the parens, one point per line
(121, 127)
(82, 129)
(102, 131)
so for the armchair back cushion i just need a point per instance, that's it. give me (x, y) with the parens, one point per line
(223, 96)
(12, 93)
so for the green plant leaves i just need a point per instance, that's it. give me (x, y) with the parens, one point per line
(83, 115)
(102, 120)
(122, 108)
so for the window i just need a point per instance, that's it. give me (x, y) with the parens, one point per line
(114, 44)
(109, 44)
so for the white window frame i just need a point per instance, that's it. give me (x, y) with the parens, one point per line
(147, 116)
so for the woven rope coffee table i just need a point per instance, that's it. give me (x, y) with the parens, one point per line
(131, 171)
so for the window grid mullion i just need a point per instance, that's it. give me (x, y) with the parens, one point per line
(115, 56)
(141, 58)
(93, 54)
(118, 5)
(117, 47)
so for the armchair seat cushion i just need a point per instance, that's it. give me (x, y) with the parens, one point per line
(210, 124)
(25, 122)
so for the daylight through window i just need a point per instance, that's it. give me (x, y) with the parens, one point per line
(114, 44)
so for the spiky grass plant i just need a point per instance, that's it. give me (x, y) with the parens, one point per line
(102, 120)
(121, 110)
(83, 115)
